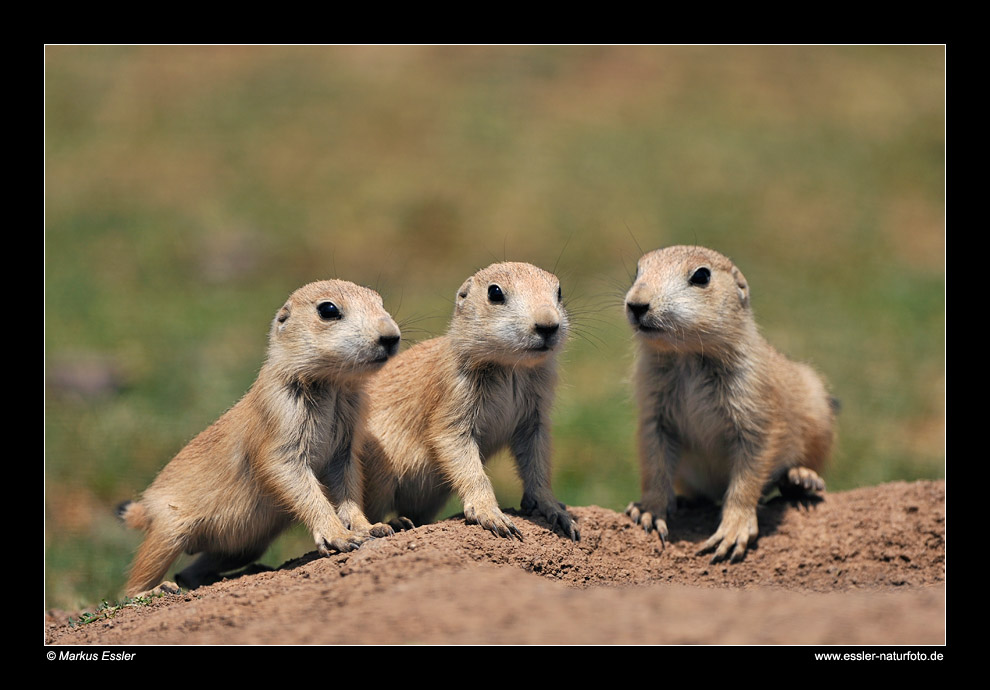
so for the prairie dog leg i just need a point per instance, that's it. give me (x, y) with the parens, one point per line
(418, 500)
(531, 446)
(800, 479)
(472, 484)
(345, 485)
(156, 554)
(208, 568)
(400, 523)
(298, 488)
(658, 462)
(738, 527)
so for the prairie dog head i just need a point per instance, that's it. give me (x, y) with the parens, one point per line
(689, 299)
(509, 313)
(332, 329)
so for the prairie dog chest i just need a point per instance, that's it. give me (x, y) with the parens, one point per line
(695, 409)
(503, 400)
(317, 422)
(693, 405)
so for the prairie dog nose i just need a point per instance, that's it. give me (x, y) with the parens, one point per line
(388, 335)
(546, 330)
(637, 309)
(390, 343)
(546, 321)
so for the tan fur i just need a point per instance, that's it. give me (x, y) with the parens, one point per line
(283, 453)
(440, 409)
(722, 414)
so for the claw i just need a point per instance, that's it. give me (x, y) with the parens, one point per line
(568, 529)
(709, 545)
(381, 530)
(341, 544)
(647, 522)
(566, 525)
(555, 513)
(729, 542)
(401, 523)
(575, 532)
(494, 521)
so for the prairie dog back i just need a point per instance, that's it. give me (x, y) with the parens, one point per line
(721, 413)
(281, 454)
(440, 409)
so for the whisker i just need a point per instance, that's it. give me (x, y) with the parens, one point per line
(635, 241)
(559, 256)
(593, 339)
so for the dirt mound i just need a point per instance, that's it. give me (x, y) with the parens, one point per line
(859, 567)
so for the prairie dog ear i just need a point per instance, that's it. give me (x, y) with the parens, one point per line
(462, 294)
(282, 317)
(742, 287)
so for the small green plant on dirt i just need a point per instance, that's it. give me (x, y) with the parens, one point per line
(106, 610)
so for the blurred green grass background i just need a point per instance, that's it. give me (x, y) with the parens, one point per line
(189, 190)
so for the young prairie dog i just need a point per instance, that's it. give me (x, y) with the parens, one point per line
(722, 414)
(283, 453)
(439, 410)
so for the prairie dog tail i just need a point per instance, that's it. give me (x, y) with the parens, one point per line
(133, 515)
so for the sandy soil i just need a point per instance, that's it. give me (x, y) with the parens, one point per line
(859, 567)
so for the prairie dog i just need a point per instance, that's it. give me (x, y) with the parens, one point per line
(721, 413)
(283, 453)
(439, 410)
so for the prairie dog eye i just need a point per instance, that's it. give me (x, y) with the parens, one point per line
(700, 277)
(328, 311)
(495, 294)
(560, 295)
